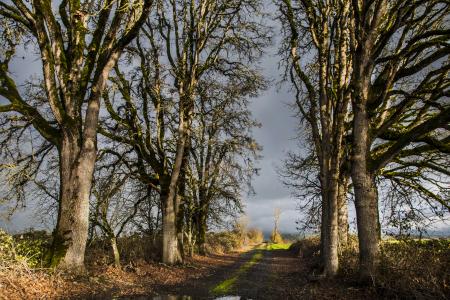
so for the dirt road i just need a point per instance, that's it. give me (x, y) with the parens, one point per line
(261, 273)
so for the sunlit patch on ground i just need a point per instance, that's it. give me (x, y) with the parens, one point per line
(225, 286)
(283, 246)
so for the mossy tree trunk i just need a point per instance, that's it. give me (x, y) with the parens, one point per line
(76, 170)
(323, 100)
(75, 67)
(366, 201)
(170, 247)
(116, 253)
(332, 239)
(343, 210)
(202, 214)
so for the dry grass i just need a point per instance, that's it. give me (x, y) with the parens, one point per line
(135, 278)
(229, 241)
(419, 269)
(409, 269)
(140, 274)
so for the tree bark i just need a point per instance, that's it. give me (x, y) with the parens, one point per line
(116, 252)
(366, 32)
(324, 219)
(77, 153)
(331, 259)
(170, 248)
(179, 211)
(170, 253)
(366, 201)
(190, 239)
(76, 169)
(202, 231)
(343, 211)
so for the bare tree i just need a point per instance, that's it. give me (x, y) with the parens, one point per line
(184, 42)
(276, 237)
(399, 95)
(222, 149)
(116, 200)
(77, 48)
(316, 47)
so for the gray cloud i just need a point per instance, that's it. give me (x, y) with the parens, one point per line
(275, 135)
(261, 214)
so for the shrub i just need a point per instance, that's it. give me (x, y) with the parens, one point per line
(27, 249)
(7, 249)
(136, 246)
(409, 268)
(307, 247)
(223, 242)
(276, 237)
(417, 268)
(255, 236)
(132, 248)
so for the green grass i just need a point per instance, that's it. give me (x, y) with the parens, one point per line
(225, 286)
(283, 246)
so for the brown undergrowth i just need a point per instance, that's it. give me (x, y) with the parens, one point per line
(22, 275)
(136, 278)
(409, 269)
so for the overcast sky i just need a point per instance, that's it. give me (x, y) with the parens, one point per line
(275, 136)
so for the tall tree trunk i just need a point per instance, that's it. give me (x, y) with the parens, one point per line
(179, 209)
(189, 225)
(77, 154)
(170, 250)
(202, 215)
(331, 242)
(366, 201)
(76, 169)
(181, 200)
(170, 253)
(343, 210)
(324, 226)
(116, 252)
(189, 234)
(201, 230)
(158, 222)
